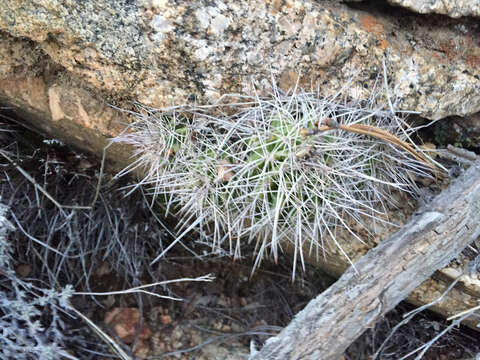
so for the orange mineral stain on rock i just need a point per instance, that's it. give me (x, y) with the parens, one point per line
(461, 49)
(370, 24)
(383, 44)
(472, 54)
(448, 48)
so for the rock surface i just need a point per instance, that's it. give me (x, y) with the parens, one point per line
(164, 53)
(452, 8)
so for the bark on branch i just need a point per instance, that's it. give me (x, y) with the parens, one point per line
(435, 235)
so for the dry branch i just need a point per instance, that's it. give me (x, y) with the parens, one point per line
(435, 235)
(381, 134)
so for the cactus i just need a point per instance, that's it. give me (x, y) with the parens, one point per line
(290, 168)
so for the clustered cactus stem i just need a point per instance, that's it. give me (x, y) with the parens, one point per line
(292, 169)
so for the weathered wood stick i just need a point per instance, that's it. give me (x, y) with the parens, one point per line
(434, 235)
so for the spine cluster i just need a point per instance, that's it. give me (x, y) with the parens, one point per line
(288, 170)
